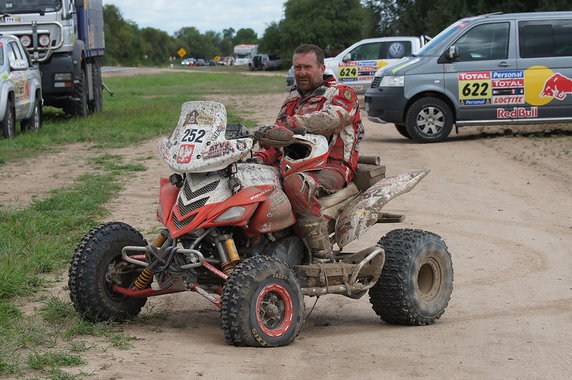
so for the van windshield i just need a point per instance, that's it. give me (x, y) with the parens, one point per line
(25, 6)
(434, 48)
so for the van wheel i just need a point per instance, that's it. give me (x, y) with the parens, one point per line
(402, 130)
(429, 120)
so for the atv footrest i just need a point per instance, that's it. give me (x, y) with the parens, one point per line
(353, 274)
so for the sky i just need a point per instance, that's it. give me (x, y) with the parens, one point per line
(172, 15)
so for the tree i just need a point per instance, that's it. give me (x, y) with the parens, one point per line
(330, 24)
(245, 36)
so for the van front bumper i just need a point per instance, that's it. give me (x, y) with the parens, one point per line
(385, 105)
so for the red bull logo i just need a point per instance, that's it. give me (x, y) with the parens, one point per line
(557, 86)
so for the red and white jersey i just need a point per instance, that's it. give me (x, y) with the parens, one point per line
(331, 110)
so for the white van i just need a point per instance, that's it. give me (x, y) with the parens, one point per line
(492, 69)
(357, 65)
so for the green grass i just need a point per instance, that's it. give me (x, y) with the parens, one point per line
(142, 107)
(37, 242)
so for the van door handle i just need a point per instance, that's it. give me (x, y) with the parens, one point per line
(504, 64)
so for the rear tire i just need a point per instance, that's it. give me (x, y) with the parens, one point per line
(97, 265)
(416, 281)
(9, 122)
(262, 304)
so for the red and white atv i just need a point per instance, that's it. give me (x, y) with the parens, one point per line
(229, 237)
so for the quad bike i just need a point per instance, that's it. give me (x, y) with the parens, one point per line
(229, 237)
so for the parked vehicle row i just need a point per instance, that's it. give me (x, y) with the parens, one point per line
(20, 88)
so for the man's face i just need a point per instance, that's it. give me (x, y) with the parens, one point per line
(307, 72)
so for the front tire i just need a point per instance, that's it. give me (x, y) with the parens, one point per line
(416, 281)
(9, 122)
(262, 304)
(97, 265)
(402, 130)
(428, 120)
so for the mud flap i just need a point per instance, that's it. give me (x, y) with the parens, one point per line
(365, 210)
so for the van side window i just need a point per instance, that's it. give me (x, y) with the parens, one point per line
(545, 38)
(484, 42)
(381, 50)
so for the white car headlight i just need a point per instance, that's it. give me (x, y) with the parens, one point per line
(392, 81)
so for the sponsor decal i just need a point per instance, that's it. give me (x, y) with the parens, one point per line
(491, 87)
(344, 228)
(557, 86)
(218, 150)
(517, 112)
(185, 153)
(266, 227)
(191, 118)
(474, 102)
(348, 94)
(258, 195)
(241, 145)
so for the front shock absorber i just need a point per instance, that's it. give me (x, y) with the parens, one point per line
(146, 277)
(229, 256)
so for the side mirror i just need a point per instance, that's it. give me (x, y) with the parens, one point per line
(18, 64)
(453, 52)
(347, 58)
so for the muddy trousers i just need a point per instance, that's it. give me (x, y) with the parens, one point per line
(303, 190)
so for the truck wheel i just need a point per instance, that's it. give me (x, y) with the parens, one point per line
(35, 121)
(96, 105)
(402, 130)
(97, 265)
(80, 106)
(262, 304)
(9, 122)
(417, 278)
(429, 120)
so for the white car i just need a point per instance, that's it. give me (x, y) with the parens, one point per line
(20, 88)
(357, 65)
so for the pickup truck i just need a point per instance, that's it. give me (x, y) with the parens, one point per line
(265, 62)
(356, 65)
(20, 88)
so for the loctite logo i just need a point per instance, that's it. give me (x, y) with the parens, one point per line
(557, 86)
(517, 112)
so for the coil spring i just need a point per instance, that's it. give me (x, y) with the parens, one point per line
(144, 279)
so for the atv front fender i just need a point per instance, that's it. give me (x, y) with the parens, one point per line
(364, 211)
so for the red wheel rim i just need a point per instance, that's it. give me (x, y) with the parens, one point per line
(274, 310)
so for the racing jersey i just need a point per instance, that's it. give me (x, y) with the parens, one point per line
(331, 110)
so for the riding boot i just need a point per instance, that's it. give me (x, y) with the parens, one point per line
(315, 230)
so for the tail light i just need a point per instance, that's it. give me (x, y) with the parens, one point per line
(44, 40)
(26, 40)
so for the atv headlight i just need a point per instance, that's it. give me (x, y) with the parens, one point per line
(233, 213)
(392, 81)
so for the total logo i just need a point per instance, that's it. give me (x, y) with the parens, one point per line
(543, 85)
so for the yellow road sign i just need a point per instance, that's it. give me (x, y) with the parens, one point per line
(182, 52)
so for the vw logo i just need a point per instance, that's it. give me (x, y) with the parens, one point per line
(396, 50)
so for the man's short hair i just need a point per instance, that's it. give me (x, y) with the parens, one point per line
(309, 48)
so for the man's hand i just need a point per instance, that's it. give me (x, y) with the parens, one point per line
(274, 135)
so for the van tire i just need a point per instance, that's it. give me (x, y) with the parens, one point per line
(429, 120)
(9, 123)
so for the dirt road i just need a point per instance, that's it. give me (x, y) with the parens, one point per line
(502, 204)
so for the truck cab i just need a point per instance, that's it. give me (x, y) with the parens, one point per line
(65, 37)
